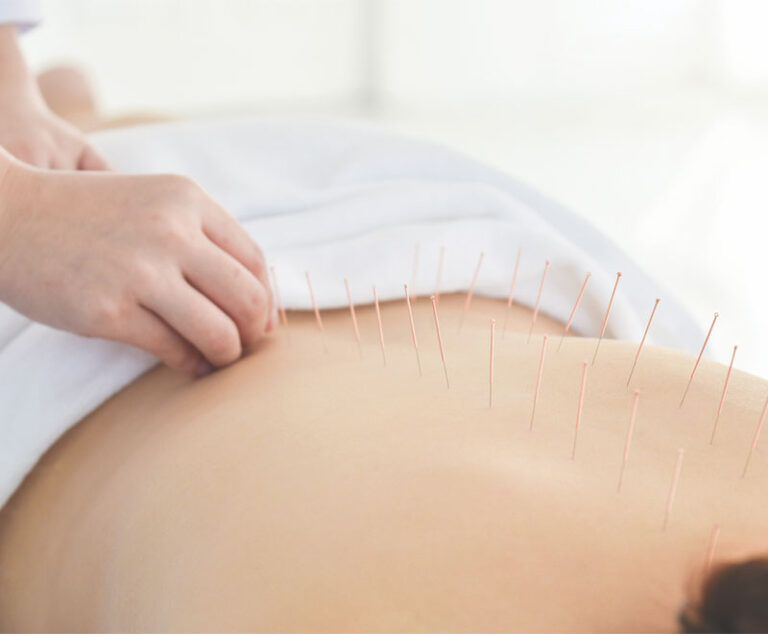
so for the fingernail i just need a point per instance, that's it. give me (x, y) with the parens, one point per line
(203, 369)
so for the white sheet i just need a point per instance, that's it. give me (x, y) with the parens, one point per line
(23, 13)
(339, 202)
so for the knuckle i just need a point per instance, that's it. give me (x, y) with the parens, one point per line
(142, 274)
(182, 188)
(106, 314)
(176, 234)
(172, 196)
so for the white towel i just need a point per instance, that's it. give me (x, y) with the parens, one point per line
(339, 202)
(23, 13)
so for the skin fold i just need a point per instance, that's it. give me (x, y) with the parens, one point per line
(303, 490)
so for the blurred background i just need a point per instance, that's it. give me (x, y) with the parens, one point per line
(647, 117)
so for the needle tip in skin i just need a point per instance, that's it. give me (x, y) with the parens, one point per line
(538, 379)
(280, 307)
(318, 319)
(698, 359)
(433, 299)
(538, 301)
(607, 314)
(413, 327)
(471, 291)
(381, 327)
(490, 374)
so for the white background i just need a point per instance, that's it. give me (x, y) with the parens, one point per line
(648, 117)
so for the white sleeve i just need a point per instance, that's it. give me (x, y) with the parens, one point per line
(23, 13)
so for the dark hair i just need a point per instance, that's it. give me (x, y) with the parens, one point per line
(732, 598)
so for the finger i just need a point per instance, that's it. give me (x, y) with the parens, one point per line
(233, 288)
(34, 155)
(197, 319)
(92, 159)
(227, 233)
(61, 161)
(149, 332)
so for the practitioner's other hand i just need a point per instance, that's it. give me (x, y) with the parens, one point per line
(35, 135)
(28, 128)
(151, 261)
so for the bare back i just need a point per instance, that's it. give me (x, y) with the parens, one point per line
(309, 490)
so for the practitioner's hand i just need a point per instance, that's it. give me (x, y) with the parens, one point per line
(28, 128)
(35, 135)
(148, 260)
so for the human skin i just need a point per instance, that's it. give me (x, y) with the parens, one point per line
(127, 258)
(303, 490)
(130, 258)
(29, 129)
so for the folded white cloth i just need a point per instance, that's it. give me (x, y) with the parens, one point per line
(339, 202)
(23, 13)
